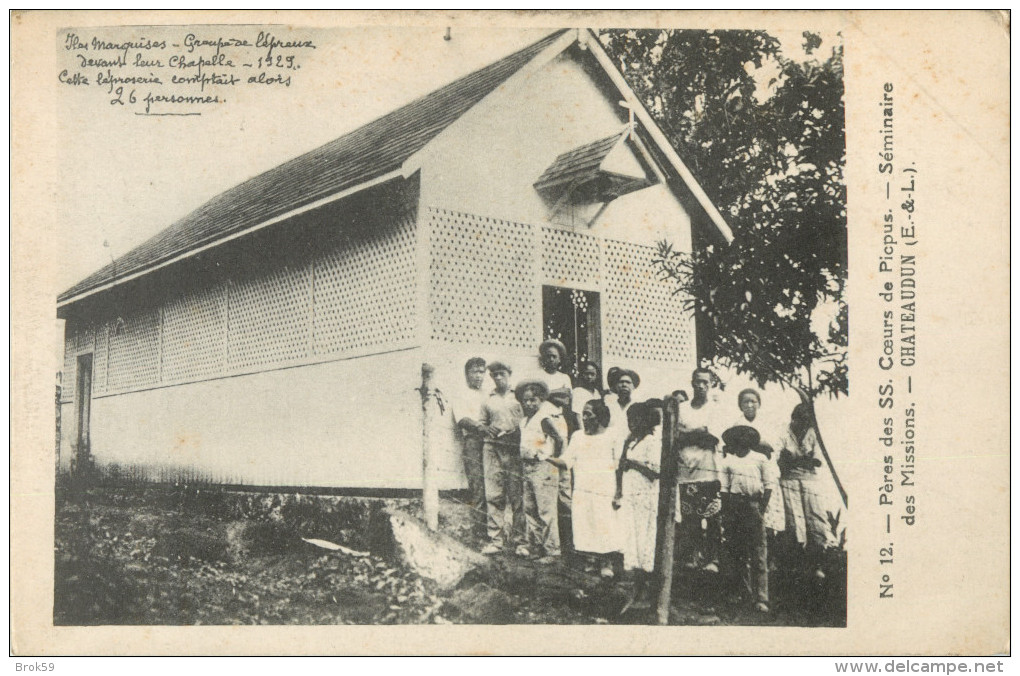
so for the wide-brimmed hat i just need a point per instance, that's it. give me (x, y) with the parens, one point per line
(741, 437)
(698, 438)
(552, 342)
(645, 414)
(615, 374)
(541, 387)
(562, 394)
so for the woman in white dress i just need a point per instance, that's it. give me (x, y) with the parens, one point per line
(637, 493)
(806, 498)
(593, 456)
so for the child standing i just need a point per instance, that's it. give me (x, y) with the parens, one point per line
(543, 435)
(588, 387)
(749, 479)
(749, 402)
(552, 358)
(501, 463)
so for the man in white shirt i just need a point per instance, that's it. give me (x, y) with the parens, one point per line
(552, 355)
(467, 414)
(698, 476)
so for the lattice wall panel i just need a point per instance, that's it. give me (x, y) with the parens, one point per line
(482, 280)
(269, 317)
(365, 292)
(194, 335)
(77, 340)
(100, 372)
(643, 319)
(570, 257)
(134, 351)
(67, 377)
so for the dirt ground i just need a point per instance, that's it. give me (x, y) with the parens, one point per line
(164, 561)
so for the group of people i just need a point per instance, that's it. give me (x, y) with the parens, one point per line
(555, 466)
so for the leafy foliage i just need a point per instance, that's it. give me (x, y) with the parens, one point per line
(764, 134)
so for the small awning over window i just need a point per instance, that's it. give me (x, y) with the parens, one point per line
(599, 171)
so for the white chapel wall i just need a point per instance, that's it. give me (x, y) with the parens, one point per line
(351, 423)
(276, 374)
(481, 172)
(487, 162)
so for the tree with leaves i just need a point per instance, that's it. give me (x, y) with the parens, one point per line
(764, 134)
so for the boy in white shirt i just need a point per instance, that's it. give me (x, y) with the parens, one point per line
(501, 455)
(543, 438)
(748, 480)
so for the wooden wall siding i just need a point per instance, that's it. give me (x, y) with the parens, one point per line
(68, 375)
(482, 280)
(642, 318)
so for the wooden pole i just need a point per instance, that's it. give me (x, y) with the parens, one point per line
(810, 403)
(430, 483)
(825, 454)
(666, 516)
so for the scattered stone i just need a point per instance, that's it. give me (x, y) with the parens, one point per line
(359, 606)
(522, 576)
(481, 604)
(604, 601)
(706, 620)
(258, 538)
(186, 544)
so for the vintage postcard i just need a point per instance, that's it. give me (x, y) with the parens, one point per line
(666, 333)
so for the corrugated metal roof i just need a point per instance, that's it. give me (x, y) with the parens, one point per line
(367, 153)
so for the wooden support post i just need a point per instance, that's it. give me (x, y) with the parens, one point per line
(828, 460)
(807, 400)
(665, 520)
(430, 479)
